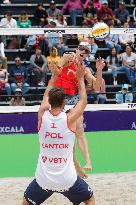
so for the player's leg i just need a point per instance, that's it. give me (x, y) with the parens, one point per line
(91, 201)
(25, 202)
(82, 142)
(34, 194)
(80, 192)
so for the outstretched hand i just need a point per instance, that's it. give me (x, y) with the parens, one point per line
(53, 66)
(80, 71)
(100, 64)
(64, 60)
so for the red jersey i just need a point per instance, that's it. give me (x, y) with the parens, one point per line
(67, 80)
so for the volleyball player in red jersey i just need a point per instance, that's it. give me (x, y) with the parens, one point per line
(68, 81)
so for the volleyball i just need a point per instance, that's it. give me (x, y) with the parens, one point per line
(100, 31)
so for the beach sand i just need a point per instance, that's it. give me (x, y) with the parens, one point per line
(109, 189)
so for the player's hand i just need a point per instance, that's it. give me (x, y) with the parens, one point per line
(53, 66)
(100, 64)
(80, 71)
(64, 60)
(82, 174)
(79, 55)
(88, 167)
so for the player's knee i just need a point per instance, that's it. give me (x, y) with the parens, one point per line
(25, 202)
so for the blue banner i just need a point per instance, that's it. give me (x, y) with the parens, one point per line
(93, 121)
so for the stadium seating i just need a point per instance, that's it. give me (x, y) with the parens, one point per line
(35, 94)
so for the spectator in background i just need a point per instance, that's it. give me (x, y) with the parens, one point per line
(23, 21)
(113, 64)
(94, 48)
(97, 4)
(53, 11)
(38, 65)
(2, 54)
(90, 15)
(129, 63)
(124, 96)
(105, 13)
(55, 40)
(121, 14)
(19, 77)
(41, 15)
(113, 39)
(75, 7)
(8, 21)
(18, 99)
(53, 56)
(6, 2)
(60, 21)
(127, 39)
(32, 43)
(4, 80)
(93, 97)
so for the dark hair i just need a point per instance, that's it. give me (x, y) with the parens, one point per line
(17, 57)
(52, 23)
(56, 97)
(116, 58)
(39, 4)
(38, 48)
(128, 45)
(23, 12)
(9, 13)
(62, 19)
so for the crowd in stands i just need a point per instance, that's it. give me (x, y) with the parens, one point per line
(42, 49)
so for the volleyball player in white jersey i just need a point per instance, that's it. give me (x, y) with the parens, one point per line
(55, 169)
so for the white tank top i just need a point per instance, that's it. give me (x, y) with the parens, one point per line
(55, 169)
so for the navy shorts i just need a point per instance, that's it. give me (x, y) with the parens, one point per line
(78, 193)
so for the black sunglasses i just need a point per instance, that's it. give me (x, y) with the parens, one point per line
(82, 48)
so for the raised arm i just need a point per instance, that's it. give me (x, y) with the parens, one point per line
(96, 82)
(78, 110)
(45, 104)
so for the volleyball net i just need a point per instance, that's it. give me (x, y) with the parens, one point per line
(89, 107)
(41, 31)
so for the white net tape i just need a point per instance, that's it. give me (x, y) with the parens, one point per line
(41, 31)
(92, 107)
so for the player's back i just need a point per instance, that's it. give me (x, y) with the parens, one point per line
(55, 169)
